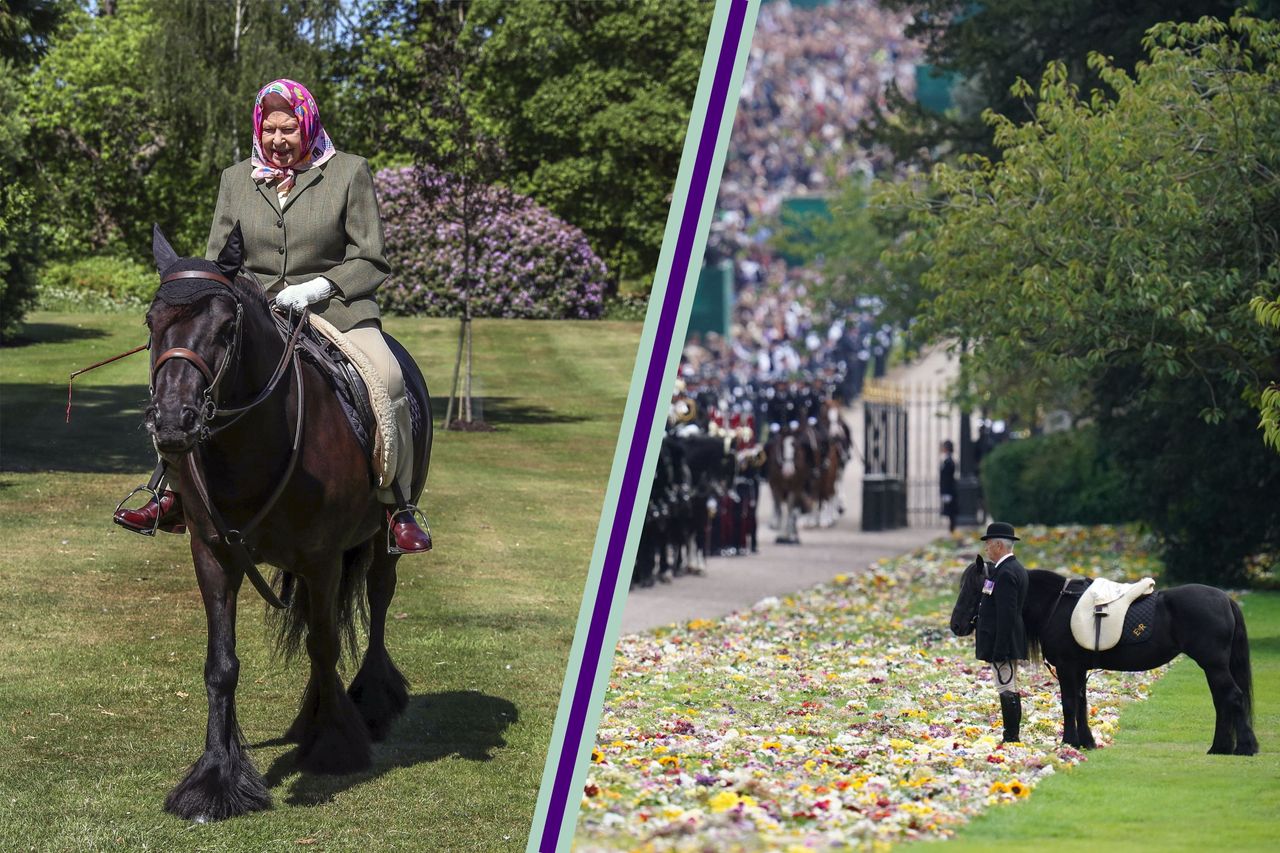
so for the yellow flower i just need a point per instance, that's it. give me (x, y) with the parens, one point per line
(1018, 789)
(998, 788)
(596, 756)
(724, 801)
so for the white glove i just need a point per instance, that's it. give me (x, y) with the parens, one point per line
(298, 296)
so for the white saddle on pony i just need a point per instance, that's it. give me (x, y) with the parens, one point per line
(1098, 617)
(386, 447)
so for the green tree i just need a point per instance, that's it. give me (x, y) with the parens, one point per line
(19, 248)
(142, 104)
(25, 28)
(1115, 248)
(843, 245)
(592, 100)
(1268, 313)
(987, 46)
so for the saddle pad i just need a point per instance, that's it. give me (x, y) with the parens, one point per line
(1111, 598)
(385, 446)
(1140, 621)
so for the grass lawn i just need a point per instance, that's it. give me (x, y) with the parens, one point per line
(1155, 789)
(102, 632)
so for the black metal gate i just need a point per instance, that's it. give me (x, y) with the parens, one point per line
(903, 430)
(884, 477)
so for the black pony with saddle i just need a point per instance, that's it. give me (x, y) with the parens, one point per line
(1200, 621)
(271, 472)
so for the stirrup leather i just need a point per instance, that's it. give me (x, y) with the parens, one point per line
(155, 496)
(418, 515)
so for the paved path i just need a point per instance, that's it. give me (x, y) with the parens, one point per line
(735, 583)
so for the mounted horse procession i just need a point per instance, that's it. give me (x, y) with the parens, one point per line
(291, 431)
(723, 440)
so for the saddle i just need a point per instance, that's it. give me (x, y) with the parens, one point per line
(1098, 621)
(356, 384)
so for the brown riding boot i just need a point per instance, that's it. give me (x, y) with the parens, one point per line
(407, 537)
(165, 515)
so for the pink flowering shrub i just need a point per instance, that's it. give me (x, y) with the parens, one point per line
(529, 263)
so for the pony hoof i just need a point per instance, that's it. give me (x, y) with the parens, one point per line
(339, 747)
(380, 693)
(219, 788)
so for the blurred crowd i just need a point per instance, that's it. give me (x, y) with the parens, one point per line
(777, 336)
(814, 74)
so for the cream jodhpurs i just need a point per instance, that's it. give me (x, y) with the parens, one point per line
(367, 336)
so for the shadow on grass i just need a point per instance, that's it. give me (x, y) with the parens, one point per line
(1265, 645)
(458, 724)
(504, 411)
(52, 333)
(105, 434)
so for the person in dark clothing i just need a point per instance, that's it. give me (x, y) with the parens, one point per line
(1001, 638)
(947, 484)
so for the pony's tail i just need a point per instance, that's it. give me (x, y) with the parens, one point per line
(1241, 671)
(1034, 653)
(289, 626)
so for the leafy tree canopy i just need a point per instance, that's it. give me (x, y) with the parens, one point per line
(25, 28)
(1112, 254)
(140, 106)
(593, 100)
(1117, 232)
(989, 45)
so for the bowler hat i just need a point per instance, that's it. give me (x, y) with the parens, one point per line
(1000, 530)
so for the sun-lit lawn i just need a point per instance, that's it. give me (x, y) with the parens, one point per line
(1155, 788)
(102, 633)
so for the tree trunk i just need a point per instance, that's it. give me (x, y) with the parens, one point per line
(468, 414)
(457, 363)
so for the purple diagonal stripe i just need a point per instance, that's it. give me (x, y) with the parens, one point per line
(653, 385)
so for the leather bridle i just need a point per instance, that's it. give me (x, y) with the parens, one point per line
(211, 410)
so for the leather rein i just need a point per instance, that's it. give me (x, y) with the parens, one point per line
(210, 411)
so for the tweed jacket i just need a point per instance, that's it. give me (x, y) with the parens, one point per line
(329, 227)
(1001, 634)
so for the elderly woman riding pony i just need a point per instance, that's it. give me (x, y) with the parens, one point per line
(313, 237)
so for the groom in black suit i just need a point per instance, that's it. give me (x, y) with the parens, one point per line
(1001, 638)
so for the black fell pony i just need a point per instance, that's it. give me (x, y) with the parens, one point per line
(226, 399)
(1198, 620)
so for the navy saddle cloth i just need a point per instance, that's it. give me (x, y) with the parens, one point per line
(343, 378)
(1139, 621)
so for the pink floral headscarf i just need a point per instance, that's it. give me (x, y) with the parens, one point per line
(316, 145)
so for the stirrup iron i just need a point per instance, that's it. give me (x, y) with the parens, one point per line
(418, 515)
(155, 496)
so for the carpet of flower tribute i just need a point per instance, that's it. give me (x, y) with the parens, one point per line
(846, 715)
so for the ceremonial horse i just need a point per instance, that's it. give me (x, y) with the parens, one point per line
(271, 472)
(834, 443)
(789, 470)
(1200, 621)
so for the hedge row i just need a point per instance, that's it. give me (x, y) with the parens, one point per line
(1060, 478)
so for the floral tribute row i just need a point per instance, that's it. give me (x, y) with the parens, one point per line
(842, 716)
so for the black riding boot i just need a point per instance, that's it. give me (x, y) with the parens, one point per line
(1011, 710)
